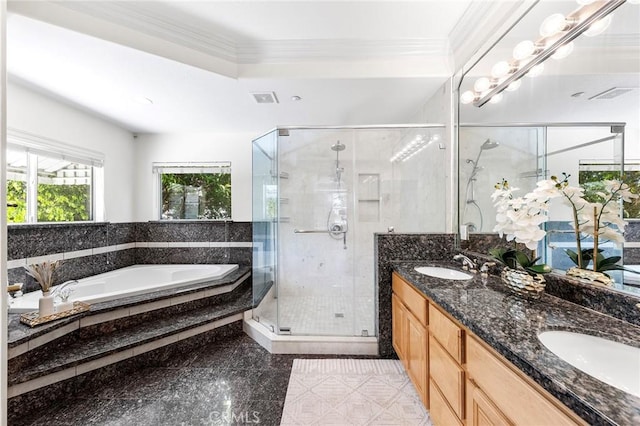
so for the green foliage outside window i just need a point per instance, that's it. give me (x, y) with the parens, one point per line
(591, 181)
(56, 203)
(196, 196)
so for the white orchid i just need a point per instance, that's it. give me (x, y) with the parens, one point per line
(519, 218)
(601, 220)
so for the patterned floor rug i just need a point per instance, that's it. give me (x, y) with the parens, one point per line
(346, 392)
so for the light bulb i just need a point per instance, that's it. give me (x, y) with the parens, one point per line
(553, 25)
(482, 84)
(496, 98)
(599, 26)
(467, 97)
(515, 85)
(523, 49)
(500, 69)
(536, 71)
(563, 51)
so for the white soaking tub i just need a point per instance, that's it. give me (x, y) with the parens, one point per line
(129, 281)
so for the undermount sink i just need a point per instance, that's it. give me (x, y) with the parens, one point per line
(614, 363)
(446, 273)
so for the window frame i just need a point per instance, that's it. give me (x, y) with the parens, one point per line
(35, 146)
(160, 168)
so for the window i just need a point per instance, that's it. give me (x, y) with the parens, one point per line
(194, 190)
(49, 181)
(591, 175)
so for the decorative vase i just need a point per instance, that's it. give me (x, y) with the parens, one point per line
(522, 283)
(596, 278)
(45, 304)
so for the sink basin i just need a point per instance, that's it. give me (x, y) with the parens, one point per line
(446, 273)
(614, 363)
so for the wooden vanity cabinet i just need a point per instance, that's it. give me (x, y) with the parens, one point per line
(410, 337)
(446, 372)
(460, 379)
(500, 394)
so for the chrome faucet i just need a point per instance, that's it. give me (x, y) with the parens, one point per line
(467, 264)
(484, 269)
(59, 290)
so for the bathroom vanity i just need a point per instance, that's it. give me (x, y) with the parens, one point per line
(473, 353)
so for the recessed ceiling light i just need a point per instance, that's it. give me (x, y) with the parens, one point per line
(296, 98)
(577, 94)
(143, 100)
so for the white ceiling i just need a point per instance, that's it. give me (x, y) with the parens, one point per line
(351, 62)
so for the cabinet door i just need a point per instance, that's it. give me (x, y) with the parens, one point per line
(399, 328)
(481, 411)
(416, 355)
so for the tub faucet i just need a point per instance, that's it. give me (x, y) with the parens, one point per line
(467, 264)
(60, 292)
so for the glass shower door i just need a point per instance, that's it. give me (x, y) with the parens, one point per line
(316, 232)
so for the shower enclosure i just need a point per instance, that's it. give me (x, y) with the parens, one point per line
(319, 195)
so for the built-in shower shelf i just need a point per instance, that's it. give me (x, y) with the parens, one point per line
(369, 199)
(284, 201)
(283, 219)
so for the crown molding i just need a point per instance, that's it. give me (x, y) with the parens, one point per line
(131, 15)
(282, 51)
(158, 24)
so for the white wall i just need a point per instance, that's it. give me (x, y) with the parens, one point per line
(40, 115)
(196, 147)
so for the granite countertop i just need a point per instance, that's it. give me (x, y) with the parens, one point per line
(510, 324)
(20, 333)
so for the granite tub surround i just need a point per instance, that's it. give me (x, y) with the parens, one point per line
(20, 334)
(511, 324)
(390, 248)
(88, 249)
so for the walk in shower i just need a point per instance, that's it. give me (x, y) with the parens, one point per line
(319, 195)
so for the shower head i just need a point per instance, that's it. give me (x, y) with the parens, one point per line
(338, 146)
(489, 144)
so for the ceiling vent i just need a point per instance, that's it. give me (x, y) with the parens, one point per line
(265, 97)
(614, 92)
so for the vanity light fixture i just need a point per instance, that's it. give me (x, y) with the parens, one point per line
(558, 32)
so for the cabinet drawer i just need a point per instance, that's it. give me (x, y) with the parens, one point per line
(448, 375)
(521, 401)
(412, 299)
(440, 412)
(447, 332)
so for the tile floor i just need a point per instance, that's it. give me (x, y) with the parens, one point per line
(231, 382)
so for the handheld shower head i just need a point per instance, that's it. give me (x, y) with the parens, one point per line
(489, 144)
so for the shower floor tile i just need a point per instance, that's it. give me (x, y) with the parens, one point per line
(320, 315)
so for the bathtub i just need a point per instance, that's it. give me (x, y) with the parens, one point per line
(129, 281)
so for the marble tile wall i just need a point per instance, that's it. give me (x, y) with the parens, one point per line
(87, 249)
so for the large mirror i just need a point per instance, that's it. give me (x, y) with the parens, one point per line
(580, 116)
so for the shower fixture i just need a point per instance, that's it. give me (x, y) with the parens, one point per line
(470, 190)
(337, 220)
